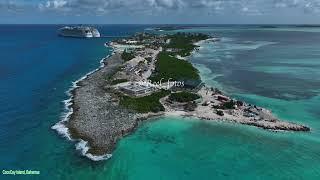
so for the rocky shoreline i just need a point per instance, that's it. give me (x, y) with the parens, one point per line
(95, 118)
(98, 119)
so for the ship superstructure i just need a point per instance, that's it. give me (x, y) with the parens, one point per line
(79, 31)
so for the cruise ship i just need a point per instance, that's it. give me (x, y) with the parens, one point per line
(79, 31)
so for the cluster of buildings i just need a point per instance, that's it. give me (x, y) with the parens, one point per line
(136, 89)
(146, 39)
(141, 67)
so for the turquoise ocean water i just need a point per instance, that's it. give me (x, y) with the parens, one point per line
(274, 68)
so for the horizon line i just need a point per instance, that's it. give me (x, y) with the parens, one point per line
(311, 24)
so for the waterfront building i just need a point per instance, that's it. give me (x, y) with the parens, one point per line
(135, 89)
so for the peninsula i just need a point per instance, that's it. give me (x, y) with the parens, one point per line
(149, 75)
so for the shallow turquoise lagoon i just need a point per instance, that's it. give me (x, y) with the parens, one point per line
(181, 148)
(274, 69)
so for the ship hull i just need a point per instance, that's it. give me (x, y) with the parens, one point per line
(79, 32)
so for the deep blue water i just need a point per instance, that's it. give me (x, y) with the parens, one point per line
(36, 69)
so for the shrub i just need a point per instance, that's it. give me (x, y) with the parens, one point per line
(183, 42)
(118, 81)
(229, 105)
(190, 106)
(220, 113)
(183, 97)
(127, 56)
(144, 104)
(170, 67)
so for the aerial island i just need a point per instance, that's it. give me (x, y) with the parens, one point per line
(149, 75)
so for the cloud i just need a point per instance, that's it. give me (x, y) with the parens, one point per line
(56, 4)
(305, 5)
(249, 7)
(135, 5)
(16, 6)
(59, 3)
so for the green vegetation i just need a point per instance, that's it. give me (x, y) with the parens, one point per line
(127, 56)
(110, 76)
(183, 96)
(118, 81)
(239, 103)
(183, 43)
(144, 104)
(220, 113)
(149, 59)
(228, 105)
(170, 67)
(190, 106)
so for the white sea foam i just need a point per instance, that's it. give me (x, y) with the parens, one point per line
(62, 130)
(83, 147)
(61, 127)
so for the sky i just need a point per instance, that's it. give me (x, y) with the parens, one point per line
(160, 11)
